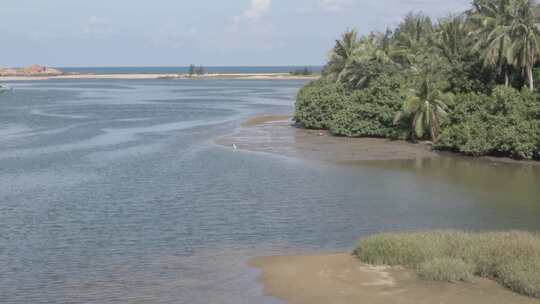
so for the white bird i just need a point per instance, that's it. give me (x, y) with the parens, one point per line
(234, 147)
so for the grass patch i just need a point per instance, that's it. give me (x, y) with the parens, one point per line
(446, 269)
(511, 258)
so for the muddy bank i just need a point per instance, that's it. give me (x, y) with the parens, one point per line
(276, 134)
(341, 278)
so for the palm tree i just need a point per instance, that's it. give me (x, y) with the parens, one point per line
(342, 56)
(525, 30)
(375, 50)
(425, 107)
(412, 35)
(493, 19)
(385, 48)
(452, 38)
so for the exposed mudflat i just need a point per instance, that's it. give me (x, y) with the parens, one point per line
(278, 135)
(341, 278)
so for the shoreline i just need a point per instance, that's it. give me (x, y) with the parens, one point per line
(341, 278)
(276, 134)
(240, 76)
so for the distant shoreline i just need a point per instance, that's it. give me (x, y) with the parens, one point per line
(247, 76)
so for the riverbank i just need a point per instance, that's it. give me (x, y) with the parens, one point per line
(341, 278)
(248, 76)
(276, 134)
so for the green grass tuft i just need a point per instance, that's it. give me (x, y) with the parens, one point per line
(447, 270)
(510, 258)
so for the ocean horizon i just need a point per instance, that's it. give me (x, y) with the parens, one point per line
(184, 69)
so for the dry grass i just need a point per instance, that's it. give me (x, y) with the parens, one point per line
(510, 258)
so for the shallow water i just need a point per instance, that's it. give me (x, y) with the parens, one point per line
(114, 192)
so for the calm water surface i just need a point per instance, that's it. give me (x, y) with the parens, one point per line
(114, 192)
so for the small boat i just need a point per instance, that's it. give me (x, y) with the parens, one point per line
(4, 88)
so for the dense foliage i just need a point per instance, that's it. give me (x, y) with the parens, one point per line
(466, 82)
(318, 102)
(371, 111)
(511, 258)
(505, 123)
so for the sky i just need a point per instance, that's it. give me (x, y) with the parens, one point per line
(65, 33)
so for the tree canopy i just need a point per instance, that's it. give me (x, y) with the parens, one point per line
(424, 70)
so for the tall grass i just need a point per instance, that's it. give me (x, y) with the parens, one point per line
(511, 258)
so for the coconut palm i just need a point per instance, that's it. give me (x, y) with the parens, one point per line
(425, 108)
(412, 35)
(493, 19)
(386, 49)
(342, 56)
(452, 38)
(375, 50)
(525, 31)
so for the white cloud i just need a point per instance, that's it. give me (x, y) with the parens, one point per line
(253, 14)
(257, 9)
(334, 5)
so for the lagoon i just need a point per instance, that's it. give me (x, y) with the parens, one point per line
(114, 191)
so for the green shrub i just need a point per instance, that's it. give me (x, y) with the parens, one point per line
(447, 270)
(471, 75)
(522, 276)
(370, 112)
(511, 258)
(318, 102)
(505, 123)
(346, 111)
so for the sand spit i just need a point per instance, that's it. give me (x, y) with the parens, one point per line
(255, 76)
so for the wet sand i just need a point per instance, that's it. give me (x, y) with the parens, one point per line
(276, 134)
(341, 278)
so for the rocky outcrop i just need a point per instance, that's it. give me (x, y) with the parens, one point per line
(34, 70)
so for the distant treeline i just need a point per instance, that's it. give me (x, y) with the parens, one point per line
(302, 72)
(196, 70)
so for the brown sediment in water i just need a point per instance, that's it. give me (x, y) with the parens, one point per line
(262, 119)
(276, 134)
(341, 278)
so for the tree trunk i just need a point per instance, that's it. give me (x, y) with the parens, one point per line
(530, 77)
(506, 78)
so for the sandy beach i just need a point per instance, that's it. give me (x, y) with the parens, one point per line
(341, 278)
(276, 134)
(253, 76)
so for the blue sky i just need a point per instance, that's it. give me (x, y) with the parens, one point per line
(180, 32)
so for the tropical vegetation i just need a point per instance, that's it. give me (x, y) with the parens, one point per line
(510, 258)
(467, 82)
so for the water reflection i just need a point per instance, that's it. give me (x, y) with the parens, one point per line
(507, 187)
